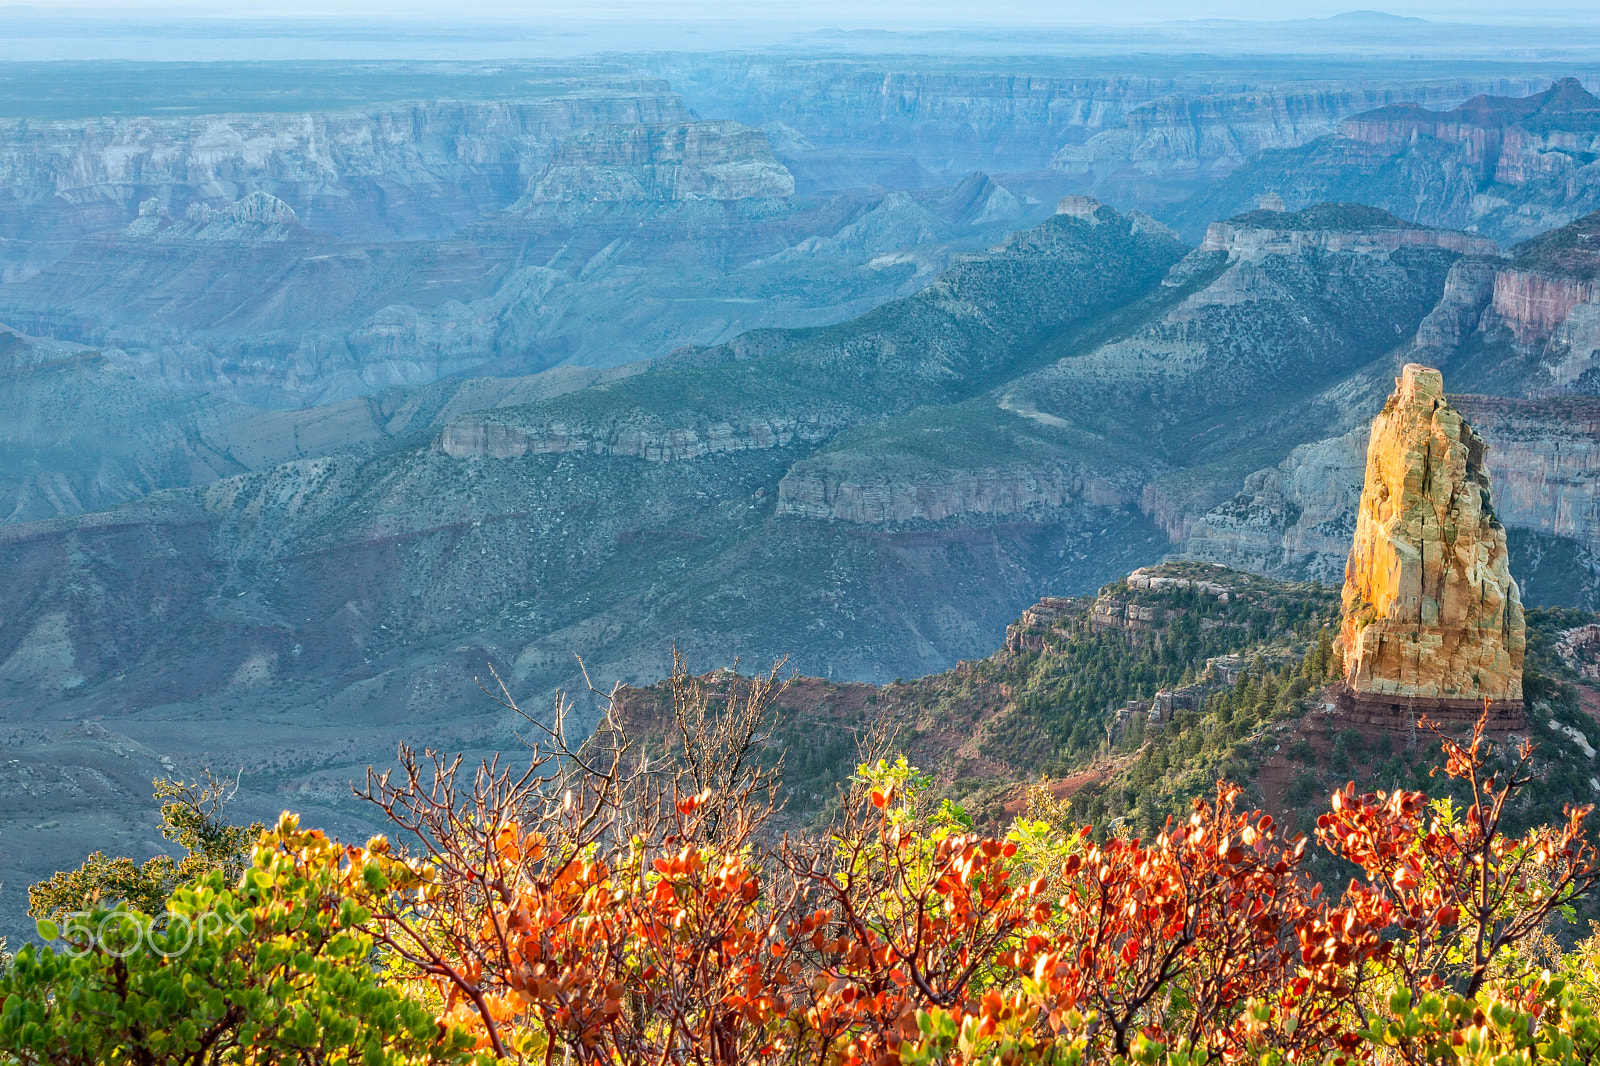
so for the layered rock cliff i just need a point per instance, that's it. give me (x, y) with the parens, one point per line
(1331, 228)
(1033, 483)
(257, 217)
(1505, 166)
(1137, 138)
(1546, 470)
(1170, 147)
(1467, 291)
(1430, 607)
(1290, 520)
(652, 439)
(683, 161)
(400, 170)
(1545, 308)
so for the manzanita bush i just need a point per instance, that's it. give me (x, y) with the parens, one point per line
(601, 907)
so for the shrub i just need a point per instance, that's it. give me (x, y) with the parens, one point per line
(271, 969)
(597, 909)
(1301, 790)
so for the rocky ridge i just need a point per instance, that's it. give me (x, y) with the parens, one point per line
(257, 217)
(1331, 228)
(1507, 167)
(450, 162)
(1172, 147)
(1220, 328)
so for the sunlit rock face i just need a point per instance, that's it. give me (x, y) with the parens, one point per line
(1430, 607)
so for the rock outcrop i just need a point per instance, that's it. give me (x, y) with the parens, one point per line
(817, 489)
(680, 161)
(1296, 520)
(1330, 228)
(1431, 611)
(257, 217)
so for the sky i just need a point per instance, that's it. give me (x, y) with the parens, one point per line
(494, 30)
(844, 13)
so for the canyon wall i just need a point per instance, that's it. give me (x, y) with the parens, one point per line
(1534, 305)
(1137, 139)
(1505, 166)
(402, 170)
(1259, 234)
(1467, 292)
(710, 160)
(1544, 462)
(1541, 321)
(1291, 520)
(1169, 147)
(818, 489)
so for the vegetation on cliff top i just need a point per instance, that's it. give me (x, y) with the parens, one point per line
(1252, 668)
(1341, 217)
(1571, 251)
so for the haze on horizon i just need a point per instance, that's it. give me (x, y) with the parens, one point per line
(497, 30)
(840, 13)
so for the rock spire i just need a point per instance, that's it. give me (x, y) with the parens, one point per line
(1430, 608)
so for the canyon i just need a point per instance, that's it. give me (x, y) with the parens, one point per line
(309, 417)
(1506, 166)
(425, 238)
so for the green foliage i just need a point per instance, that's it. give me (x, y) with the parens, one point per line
(814, 760)
(1347, 746)
(1064, 694)
(1542, 1020)
(192, 818)
(1301, 790)
(272, 969)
